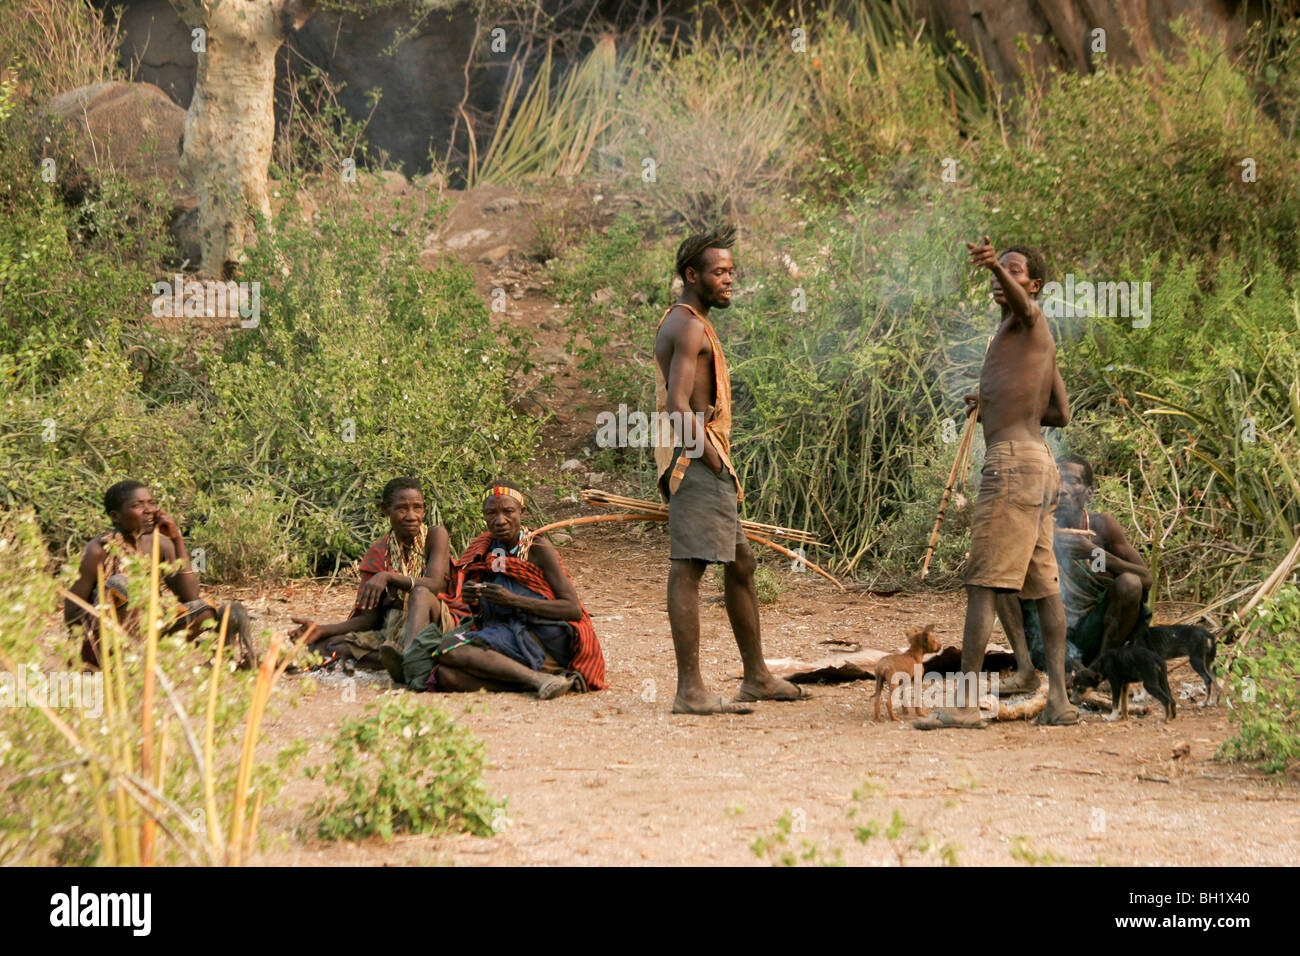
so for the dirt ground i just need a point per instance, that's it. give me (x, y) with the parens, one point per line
(614, 778)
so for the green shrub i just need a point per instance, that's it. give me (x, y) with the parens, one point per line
(245, 537)
(406, 768)
(1111, 166)
(365, 366)
(63, 445)
(1264, 686)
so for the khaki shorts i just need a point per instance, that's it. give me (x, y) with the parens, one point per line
(1012, 521)
(703, 516)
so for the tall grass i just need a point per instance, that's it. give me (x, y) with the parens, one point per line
(554, 127)
(133, 785)
(52, 46)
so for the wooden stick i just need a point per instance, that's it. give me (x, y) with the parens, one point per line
(958, 467)
(596, 519)
(594, 496)
(1193, 615)
(798, 557)
(593, 519)
(1270, 584)
(526, 540)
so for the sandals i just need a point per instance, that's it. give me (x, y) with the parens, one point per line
(720, 707)
(943, 720)
(749, 697)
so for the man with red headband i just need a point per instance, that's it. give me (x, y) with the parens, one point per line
(519, 623)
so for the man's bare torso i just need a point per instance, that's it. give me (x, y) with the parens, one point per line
(682, 329)
(1016, 381)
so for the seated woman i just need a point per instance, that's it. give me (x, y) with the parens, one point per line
(411, 555)
(519, 623)
(136, 519)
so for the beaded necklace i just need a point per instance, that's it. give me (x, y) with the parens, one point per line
(118, 552)
(407, 562)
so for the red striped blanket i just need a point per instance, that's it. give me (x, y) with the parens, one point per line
(477, 563)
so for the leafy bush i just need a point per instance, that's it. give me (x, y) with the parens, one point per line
(1264, 686)
(364, 366)
(63, 445)
(407, 768)
(243, 537)
(1108, 167)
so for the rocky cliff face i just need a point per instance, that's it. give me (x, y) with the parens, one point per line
(423, 78)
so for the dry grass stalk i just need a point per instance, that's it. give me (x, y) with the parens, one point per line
(139, 807)
(958, 469)
(594, 496)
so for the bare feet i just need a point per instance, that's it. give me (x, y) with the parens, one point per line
(708, 705)
(958, 718)
(773, 688)
(1019, 683)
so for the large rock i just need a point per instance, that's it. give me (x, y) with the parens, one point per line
(421, 81)
(157, 48)
(132, 128)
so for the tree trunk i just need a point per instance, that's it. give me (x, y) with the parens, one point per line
(1133, 30)
(230, 125)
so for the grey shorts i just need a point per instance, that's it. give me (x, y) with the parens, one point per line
(703, 517)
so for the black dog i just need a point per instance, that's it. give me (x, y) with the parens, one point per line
(1123, 666)
(1183, 640)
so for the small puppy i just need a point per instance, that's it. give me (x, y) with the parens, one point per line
(1184, 640)
(1126, 665)
(919, 643)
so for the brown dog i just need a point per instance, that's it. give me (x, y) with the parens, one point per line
(919, 643)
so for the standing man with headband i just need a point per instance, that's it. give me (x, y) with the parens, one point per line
(697, 479)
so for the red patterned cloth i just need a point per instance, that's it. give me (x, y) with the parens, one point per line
(477, 563)
(380, 558)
